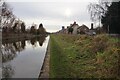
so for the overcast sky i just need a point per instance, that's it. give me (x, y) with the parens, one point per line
(52, 13)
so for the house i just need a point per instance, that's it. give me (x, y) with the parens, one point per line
(82, 29)
(79, 29)
(75, 27)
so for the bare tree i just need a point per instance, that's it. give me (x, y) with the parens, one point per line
(97, 10)
(6, 16)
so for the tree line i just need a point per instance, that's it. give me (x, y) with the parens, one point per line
(11, 24)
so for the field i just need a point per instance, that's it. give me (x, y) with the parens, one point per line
(82, 56)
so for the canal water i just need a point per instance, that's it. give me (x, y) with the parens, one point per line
(23, 59)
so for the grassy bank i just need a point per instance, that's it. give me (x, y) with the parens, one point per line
(84, 56)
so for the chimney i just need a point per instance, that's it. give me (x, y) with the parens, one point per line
(91, 25)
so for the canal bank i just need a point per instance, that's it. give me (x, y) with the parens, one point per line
(44, 72)
(82, 56)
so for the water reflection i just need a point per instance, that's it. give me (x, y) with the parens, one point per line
(12, 49)
(41, 40)
(34, 40)
(7, 71)
(8, 52)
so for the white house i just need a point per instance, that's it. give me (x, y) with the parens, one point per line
(75, 27)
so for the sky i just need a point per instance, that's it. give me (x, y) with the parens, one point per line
(53, 14)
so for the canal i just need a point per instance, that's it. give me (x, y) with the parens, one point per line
(23, 59)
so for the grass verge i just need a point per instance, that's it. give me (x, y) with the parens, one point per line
(82, 56)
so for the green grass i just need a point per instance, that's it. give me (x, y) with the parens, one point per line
(81, 56)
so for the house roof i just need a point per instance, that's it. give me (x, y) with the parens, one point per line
(72, 25)
(83, 26)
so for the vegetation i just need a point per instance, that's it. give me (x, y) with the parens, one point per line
(107, 13)
(70, 30)
(12, 27)
(41, 29)
(33, 29)
(81, 56)
(111, 18)
(23, 27)
(6, 15)
(97, 10)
